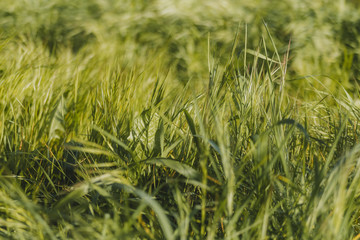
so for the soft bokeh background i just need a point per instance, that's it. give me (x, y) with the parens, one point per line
(323, 34)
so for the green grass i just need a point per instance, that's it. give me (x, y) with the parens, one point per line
(179, 119)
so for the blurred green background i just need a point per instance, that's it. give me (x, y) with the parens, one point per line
(323, 34)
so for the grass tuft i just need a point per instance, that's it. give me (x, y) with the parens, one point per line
(179, 120)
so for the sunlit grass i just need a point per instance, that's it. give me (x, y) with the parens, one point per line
(162, 120)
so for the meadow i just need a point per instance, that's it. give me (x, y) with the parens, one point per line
(192, 119)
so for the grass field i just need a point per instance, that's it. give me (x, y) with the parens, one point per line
(182, 120)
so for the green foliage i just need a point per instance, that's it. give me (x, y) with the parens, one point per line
(179, 119)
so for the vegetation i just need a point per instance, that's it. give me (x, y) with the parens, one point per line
(179, 119)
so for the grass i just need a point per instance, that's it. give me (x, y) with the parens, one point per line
(175, 120)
